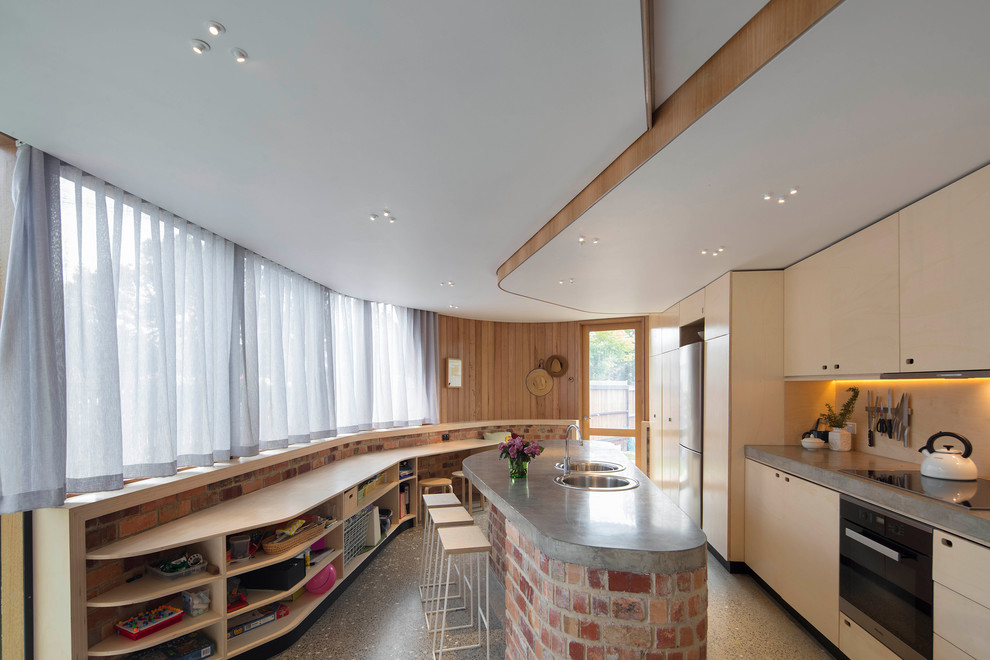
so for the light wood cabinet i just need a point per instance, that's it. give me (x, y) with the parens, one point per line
(717, 307)
(670, 426)
(744, 397)
(655, 419)
(692, 308)
(961, 608)
(944, 270)
(670, 329)
(858, 644)
(792, 543)
(943, 650)
(841, 306)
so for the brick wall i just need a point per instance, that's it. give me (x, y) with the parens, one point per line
(555, 609)
(102, 576)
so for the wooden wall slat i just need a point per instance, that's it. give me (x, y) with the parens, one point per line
(497, 357)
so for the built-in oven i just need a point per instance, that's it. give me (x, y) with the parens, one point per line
(885, 577)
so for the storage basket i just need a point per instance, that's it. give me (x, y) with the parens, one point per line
(309, 532)
(355, 532)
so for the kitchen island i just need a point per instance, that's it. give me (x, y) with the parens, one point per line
(589, 574)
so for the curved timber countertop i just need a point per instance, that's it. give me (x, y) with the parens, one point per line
(638, 530)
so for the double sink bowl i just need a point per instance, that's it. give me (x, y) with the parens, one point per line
(594, 476)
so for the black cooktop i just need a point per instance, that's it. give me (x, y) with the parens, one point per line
(972, 495)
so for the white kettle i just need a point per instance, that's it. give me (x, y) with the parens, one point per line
(948, 463)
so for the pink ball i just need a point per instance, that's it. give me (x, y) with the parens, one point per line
(323, 581)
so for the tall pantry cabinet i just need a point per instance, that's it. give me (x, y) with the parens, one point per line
(743, 393)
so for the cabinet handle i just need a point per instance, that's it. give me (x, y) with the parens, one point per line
(787, 479)
(910, 360)
(947, 543)
(776, 474)
(846, 621)
(824, 367)
(836, 366)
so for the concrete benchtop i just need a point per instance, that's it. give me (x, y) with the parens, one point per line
(638, 530)
(822, 466)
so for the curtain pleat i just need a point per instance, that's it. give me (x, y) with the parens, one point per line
(178, 348)
(32, 343)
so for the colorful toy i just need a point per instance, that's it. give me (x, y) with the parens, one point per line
(323, 581)
(145, 623)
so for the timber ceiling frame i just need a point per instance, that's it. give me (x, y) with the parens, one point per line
(769, 32)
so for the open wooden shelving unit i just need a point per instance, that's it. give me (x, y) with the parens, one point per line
(327, 492)
(64, 613)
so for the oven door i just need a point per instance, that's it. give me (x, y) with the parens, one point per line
(886, 588)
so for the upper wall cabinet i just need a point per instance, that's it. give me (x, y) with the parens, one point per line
(841, 306)
(692, 308)
(670, 328)
(717, 307)
(945, 272)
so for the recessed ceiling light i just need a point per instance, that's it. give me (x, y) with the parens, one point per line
(594, 241)
(581, 240)
(449, 283)
(239, 55)
(721, 249)
(373, 217)
(768, 196)
(781, 200)
(199, 47)
(793, 191)
(391, 219)
(386, 213)
(215, 28)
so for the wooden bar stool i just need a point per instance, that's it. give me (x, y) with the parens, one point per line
(429, 586)
(467, 492)
(467, 546)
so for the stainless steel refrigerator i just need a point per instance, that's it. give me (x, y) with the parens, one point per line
(692, 359)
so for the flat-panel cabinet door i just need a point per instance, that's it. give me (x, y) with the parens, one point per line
(944, 271)
(655, 416)
(671, 423)
(863, 284)
(858, 644)
(806, 318)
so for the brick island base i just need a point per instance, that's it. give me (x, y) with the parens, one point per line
(555, 609)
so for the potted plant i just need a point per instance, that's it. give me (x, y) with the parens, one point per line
(519, 452)
(839, 439)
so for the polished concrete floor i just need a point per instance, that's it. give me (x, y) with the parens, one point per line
(379, 617)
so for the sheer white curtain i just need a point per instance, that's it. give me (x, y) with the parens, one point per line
(148, 300)
(180, 348)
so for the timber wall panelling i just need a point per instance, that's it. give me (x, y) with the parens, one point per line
(496, 358)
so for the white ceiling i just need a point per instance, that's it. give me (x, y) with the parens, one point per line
(476, 122)
(877, 105)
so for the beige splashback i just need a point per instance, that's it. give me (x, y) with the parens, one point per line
(960, 406)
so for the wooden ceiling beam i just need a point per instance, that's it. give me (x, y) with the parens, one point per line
(773, 28)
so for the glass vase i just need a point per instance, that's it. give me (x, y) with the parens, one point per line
(518, 468)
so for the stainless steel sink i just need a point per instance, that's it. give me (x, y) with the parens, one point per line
(592, 466)
(596, 482)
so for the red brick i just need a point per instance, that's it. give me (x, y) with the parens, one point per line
(677, 610)
(581, 602)
(595, 653)
(272, 479)
(683, 582)
(138, 523)
(174, 510)
(526, 588)
(562, 597)
(101, 536)
(589, 630)
(599, 606)
(575, 651)
(685, 636)
(571, 626)
(655, 656)
(251, 486)
(700, 577)
(630, 582)
(558, 570)
(627, 636)
(694, 654)
(702, 629)
(544, 564)
(628, 608)
(666, 637)
(664, 584)
(694, 606)
(597, 578)
(675, 655)
(658, 611)
(553, 618)
(527, 632)
(104, 573)
(575, 574)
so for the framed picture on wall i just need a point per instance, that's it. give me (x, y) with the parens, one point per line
(454, 372)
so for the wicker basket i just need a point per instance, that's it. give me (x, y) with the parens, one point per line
(308, 533)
